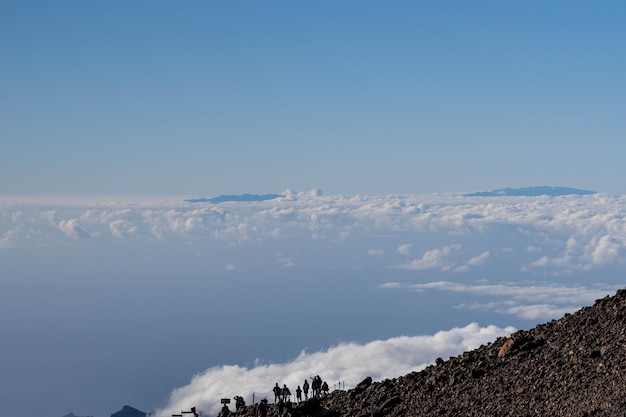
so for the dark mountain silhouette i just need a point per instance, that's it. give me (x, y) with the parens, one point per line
(531, 192)
(241, 197)
(128, 411)
(575, 366)
(71, 415)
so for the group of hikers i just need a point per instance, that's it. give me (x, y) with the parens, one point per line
(282, 397)
(317, 387)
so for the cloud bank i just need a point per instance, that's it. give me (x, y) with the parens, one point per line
(347, 364)
(561, 235)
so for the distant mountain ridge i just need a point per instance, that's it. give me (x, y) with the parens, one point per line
(239, 197)
(128, 411)
(531, 192)
(501, 192)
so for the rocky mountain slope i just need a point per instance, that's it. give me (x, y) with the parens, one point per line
(575, 366)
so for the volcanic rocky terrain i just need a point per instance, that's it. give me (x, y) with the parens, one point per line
(575, 366)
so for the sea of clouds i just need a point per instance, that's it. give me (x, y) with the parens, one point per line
(534, 258)
(593, 226)
(569, 234)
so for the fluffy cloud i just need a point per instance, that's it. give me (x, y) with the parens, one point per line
(441, 259)
(479, 259)
(433, 259)
(605, 250)
(121, 228)
(347, 364)
(73, 229)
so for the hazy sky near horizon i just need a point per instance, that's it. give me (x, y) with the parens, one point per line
(208, 98)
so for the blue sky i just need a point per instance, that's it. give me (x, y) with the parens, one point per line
(350, 97)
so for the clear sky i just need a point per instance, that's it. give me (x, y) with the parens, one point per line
(205, 98)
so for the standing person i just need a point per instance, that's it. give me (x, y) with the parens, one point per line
(298, 394)
(316, 385)
(305, 388)
(277, 393)
(286, 393)
(239, 402)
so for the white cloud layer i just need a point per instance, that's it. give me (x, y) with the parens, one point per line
(563, 235)
(347, 364)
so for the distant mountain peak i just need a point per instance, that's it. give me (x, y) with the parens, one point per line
(239, 197)
(128, 411)
(531, 192)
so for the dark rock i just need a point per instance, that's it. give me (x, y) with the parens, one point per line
(477, 373)
(365, 383)
(310, 408)
(392, 402)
